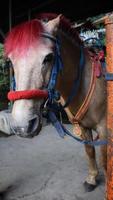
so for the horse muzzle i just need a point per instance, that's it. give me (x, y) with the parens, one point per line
(32, 128)
(10, 126)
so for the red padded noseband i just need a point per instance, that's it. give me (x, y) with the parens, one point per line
(27, 94)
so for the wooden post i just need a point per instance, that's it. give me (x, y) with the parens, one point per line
(109, 60)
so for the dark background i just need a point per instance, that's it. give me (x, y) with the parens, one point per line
(13, 12)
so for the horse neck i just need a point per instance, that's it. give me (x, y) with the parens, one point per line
(70, 52)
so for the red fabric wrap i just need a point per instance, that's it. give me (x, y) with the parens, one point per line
(27, 94)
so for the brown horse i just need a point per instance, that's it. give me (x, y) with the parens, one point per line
(31, 48)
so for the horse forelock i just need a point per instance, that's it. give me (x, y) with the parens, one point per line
(26, 34)
(22, 37)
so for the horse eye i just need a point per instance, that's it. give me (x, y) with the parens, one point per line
(48, 58)
(8, 63)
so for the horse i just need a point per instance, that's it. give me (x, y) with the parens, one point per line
(33, 48)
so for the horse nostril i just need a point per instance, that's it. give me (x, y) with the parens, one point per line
(20, 130)
(32, 125)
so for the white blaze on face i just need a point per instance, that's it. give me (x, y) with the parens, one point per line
(28, 75)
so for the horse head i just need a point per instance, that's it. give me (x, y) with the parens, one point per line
(32, 56)
(33, 48)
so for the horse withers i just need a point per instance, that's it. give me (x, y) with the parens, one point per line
(34, 47)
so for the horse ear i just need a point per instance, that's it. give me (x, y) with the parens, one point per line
(52, 25)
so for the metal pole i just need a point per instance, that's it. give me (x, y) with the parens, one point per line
(109, 60)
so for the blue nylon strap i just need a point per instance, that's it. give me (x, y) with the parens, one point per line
(76, 84)
(109, 76)
(57, 67)
(56, 124)
(62, 131)
(13, 83)
(49, 36)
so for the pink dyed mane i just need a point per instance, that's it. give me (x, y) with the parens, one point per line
(26, 34)
(22, 37)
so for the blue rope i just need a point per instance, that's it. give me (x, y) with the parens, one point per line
(62, 131)
(57, 67)
(13, 83)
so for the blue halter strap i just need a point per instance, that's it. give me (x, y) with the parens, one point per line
(62, 131)
(56, 69)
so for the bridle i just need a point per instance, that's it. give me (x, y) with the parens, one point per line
(50, 92)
